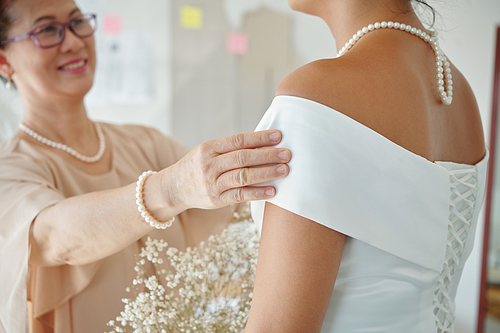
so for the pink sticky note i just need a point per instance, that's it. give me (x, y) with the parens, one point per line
(112, 24)
(237, 43)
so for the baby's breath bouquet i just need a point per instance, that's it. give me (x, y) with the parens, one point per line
(208, 290)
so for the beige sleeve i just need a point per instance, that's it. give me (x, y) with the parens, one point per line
(25, 190)
(168, 150)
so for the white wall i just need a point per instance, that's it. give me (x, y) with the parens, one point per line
(10, 112)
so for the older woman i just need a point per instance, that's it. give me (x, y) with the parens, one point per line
(72, 215)
(371, 230)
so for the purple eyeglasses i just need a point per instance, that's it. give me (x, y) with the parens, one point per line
(52, 34)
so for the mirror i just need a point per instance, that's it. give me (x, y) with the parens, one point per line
(489, 302)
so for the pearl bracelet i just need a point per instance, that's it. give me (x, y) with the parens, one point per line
(139, 194)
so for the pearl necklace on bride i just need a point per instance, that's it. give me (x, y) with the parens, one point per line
(442, 64)
(71, 151)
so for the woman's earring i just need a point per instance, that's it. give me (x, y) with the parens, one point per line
(8, 84)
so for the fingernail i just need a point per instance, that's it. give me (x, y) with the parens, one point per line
(270, 192)
(281, 169)
(275, 136)
(283, 155)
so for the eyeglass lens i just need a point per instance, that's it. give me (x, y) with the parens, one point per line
(53, 34)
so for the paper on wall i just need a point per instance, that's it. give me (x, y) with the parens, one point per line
(191, 17)
(124, 69)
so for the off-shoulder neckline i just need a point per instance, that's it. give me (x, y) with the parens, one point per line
(403, 149)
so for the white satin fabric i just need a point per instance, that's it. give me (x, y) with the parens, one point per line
(410, 222)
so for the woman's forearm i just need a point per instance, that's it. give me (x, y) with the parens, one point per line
(89, 227)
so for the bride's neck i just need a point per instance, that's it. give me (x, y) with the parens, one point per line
(346, 17)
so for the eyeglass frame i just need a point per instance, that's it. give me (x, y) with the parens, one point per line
(63, 25)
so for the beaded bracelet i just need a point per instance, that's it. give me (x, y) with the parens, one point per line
(139, 194)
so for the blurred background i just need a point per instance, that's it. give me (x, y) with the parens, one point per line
(203, 69)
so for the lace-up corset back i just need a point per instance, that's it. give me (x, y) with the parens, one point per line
(463, 188)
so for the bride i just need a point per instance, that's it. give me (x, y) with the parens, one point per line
(371, 230)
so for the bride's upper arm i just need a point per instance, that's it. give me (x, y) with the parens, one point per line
(298, 264)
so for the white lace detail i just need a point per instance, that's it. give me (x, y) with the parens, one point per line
(463, 197)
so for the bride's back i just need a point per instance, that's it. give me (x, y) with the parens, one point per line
(388, 82)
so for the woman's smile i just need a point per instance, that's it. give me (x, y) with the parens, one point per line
(74, 66)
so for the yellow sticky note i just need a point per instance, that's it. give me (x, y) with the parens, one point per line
(191, 17)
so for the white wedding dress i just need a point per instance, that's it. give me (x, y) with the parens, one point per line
(410, 222)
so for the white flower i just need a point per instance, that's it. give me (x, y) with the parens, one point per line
(209, 288)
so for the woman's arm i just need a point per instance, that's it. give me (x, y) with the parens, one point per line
(298, 264)
(89, 227)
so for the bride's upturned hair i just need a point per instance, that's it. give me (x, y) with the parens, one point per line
(425, 6)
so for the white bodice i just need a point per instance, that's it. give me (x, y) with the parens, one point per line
(410, 222)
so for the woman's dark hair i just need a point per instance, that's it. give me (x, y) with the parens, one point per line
(6, 21)
(5, 18)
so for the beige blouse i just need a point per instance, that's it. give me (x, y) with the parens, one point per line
(84, 298)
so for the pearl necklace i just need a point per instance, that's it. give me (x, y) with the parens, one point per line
(441, 61)
(71, 151)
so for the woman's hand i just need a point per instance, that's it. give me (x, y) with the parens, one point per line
(224, 171)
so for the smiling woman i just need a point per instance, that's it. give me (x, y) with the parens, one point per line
(72, 211)
(40, 69)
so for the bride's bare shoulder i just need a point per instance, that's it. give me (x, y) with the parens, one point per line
(341, 84)
(322, 81)
(390, 86)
